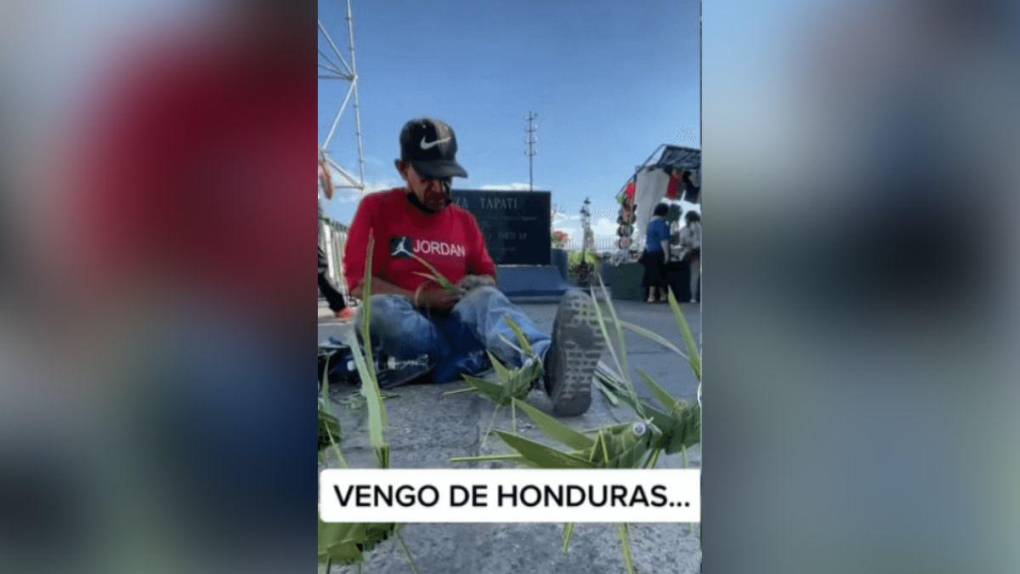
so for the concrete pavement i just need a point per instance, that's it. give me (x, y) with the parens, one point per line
(426, 430)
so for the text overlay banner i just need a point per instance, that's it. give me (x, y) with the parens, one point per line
(509, 495)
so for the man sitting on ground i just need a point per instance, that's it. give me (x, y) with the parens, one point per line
(412, 315)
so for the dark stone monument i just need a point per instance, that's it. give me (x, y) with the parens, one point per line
(517, 226)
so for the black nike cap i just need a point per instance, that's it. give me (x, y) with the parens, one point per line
(431, 147)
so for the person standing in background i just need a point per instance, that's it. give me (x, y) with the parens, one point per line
(333, 296)
(690, 243)
(654, 257)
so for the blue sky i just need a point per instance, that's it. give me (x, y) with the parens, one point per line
(609, 80)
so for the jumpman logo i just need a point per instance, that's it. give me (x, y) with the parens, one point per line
(400, 247)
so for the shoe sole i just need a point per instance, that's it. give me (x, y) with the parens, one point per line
(579, 344)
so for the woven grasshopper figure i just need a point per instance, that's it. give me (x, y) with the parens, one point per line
(628, 445)
(624, 445)
(329, 428)
(514, 384)
(343, 543)
(616, 446)
(348, 543)
(679, 422)
(670, 427)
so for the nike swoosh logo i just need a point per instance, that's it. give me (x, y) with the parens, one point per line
(430, 145)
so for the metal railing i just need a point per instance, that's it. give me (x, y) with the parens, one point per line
(334, 238)
(602, 245)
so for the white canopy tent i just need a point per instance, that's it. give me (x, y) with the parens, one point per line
(651, 181)
(651, 187)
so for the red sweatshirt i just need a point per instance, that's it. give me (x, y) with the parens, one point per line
(449, 240)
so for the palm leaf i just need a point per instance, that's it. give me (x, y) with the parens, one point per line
(487, 458)
(492, 423)
(653, 458)
(621, 365)
(373, 401)
(542, 455)
(629, 457)
(428, 276)
(650, 335)
(366, 368)
(661, 395)
(407, 551)
(347, 543)
(693, 355)
(568, 532)
(329, 425)
(335, 544)
(687, 431)
(555, 429)
(366, 306)
(525, 344)
(511, 344)
(628, 557)
(490, 390)
(329, 435)
(607, 391)
(616, 323)
(605, 333)
(436, 275)
(647, 411)
(502, 373)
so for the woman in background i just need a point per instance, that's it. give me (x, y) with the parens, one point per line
(690, 243)
(333, 296)
(654, 257)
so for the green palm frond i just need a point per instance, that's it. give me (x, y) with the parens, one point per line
(693, 355)
(434, 274)
(347, 543)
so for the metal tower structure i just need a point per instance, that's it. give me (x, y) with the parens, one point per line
(335, 65)
(530, 152)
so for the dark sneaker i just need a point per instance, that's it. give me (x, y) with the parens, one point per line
(573, 355)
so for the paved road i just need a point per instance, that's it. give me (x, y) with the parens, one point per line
(426, 430)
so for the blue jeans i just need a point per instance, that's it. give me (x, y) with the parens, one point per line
(455, 343)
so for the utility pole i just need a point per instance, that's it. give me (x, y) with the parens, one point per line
(531, 141)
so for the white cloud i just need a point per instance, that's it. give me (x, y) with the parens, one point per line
(516, 186)
(604, 228)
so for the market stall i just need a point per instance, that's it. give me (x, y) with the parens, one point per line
(671, 175)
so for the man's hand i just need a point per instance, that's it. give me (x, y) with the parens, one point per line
(469, 282)
(437, 299)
